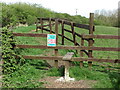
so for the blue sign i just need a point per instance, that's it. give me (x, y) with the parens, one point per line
(51, 40)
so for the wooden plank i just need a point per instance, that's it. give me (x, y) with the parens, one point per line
(70, 47)
(96, 60)
(42, 57)
(102, 36)
(68, 56)
(30, 34)
(73, 58)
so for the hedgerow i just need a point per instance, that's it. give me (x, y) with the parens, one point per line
(9, 53)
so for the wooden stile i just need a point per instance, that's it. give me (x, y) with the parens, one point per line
(82, 49)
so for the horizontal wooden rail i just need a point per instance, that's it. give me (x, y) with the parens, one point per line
(30, 34)
(46, 25)
(96, 60)
(43, 57)
(101, 36)
(70, 47)
(68, 23)
(73, 58)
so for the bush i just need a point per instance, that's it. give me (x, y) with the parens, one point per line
(11, 64)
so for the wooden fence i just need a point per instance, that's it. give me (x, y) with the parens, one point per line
(88, 50)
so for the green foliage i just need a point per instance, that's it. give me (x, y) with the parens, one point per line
(107, 18)
(53, 72)
(12, 14)
(11, 64)
(104, 79)
(26, 77)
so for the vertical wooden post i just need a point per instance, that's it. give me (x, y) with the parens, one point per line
(73, 33)
(56, 50)
(41, 21)
(37, 25)
(62, 32)
(91, 39)
(81, 51)
(50, 25)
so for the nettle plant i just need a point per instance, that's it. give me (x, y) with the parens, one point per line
(9, 53)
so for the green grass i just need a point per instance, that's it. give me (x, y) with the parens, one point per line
(26, 77)
(104, 78)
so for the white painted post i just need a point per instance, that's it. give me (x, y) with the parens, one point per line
(66, 72)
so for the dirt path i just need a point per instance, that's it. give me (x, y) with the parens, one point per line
(50, 82)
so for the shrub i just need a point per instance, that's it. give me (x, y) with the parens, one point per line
(9, 54)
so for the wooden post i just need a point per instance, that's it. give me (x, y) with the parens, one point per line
(91, 39)
(50, 25)
(81, 51)
(67, 59)
(62, 32)
(41, 21)
(37, 25)
(73, 33)
(56, 50)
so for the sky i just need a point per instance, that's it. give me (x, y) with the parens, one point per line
(84, 7)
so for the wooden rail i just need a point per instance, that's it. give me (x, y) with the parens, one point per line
(70, 47)
(67, 23)
(30, 35)
(73, 58)
(101, 36)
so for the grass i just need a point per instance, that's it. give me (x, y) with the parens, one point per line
(33, 71)
(26, 77)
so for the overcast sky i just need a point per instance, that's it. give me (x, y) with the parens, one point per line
(84, 7)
